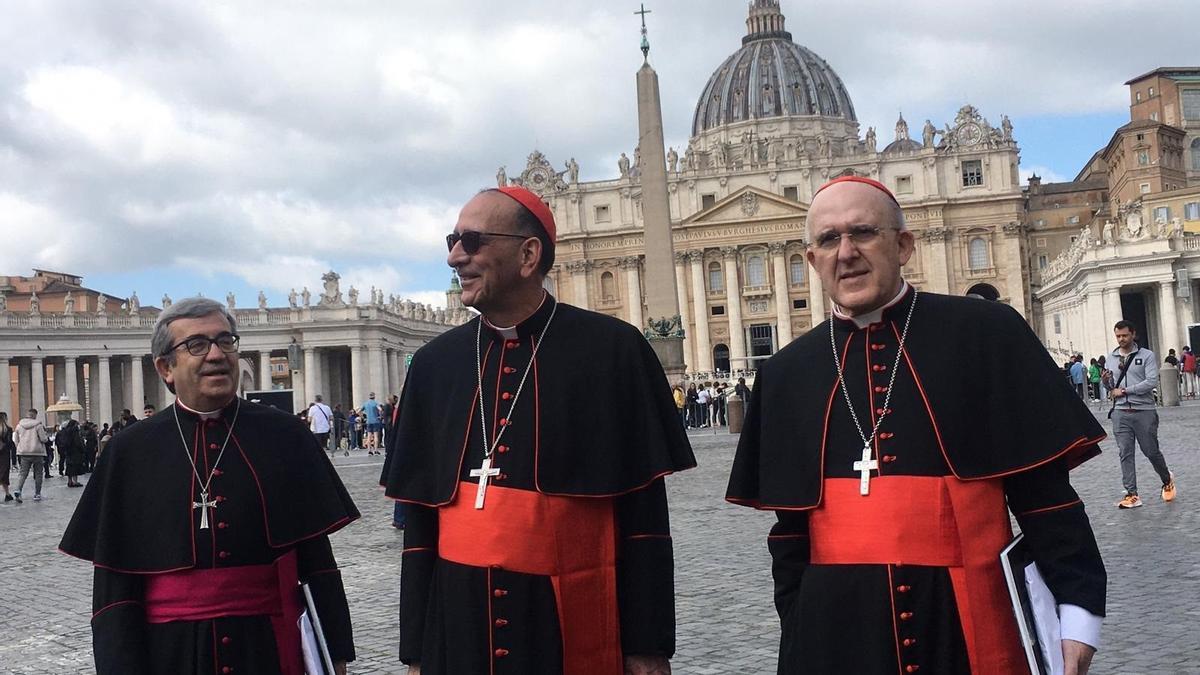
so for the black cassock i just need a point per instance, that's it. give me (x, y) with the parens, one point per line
(979, 416)
(593, 432)
(276, 493)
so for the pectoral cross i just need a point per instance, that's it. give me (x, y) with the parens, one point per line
(204, 505)
(864, 468)
(484, 473)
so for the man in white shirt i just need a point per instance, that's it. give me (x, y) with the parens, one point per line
(320, 417)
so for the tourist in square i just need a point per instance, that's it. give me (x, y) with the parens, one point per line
(1134, 413)
(70, 444)
(31, 438)
(537, 537)
(201, 522)
(373, 424)
(1187, 368)
(900, 430)
(8, 454)
(320, 420)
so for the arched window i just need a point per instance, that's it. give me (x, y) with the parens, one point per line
(756, 271)
(1196, 154)
(716, 282)
(796, 270)
(977, 254)
(721, 358)
(608, 287)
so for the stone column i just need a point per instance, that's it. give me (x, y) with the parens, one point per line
(59, 371)
(324, 377)
(1112, 314)
(138, 380)
(6, 405)
(38, 380)
(633, 290)
(310, 374)
(1014, 234)
(1168, 318)
(579, 282)
(816, 297)
(376, 361)
(703, 341)
(685, 312)
(104, 394)
(733, 293)
(358, 385)
(24, 390)
(70, 375)
(264, 370)
(936, 277)
(394, 372)
(1094, 338)
(783, 301)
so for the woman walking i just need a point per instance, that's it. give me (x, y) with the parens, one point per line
(8, 454)
(31, 438)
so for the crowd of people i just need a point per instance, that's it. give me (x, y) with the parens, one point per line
(357, 428)
(29, 448)
(702, 405)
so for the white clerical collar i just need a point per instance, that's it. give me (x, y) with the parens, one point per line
(202, 415)
(510, 333)
(875, 315)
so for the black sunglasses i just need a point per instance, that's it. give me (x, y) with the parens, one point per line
(472, 240)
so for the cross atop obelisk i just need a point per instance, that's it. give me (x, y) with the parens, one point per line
(662, 304)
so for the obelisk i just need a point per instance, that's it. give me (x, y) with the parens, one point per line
(664, 330)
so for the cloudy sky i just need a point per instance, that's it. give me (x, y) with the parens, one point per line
(184, 147)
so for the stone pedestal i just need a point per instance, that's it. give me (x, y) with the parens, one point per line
(1168, 385)
(670, 355)
(735, 413)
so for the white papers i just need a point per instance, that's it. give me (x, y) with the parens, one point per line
(308, 643)
(1045, 619)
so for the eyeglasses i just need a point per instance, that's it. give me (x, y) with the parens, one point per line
(472, 240)
(859, 235)
(199, 345)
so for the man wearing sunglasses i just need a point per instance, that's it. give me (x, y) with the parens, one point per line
(202, 520)
(892, 441)
(537, 539)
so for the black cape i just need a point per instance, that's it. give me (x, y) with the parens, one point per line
(595, 358)
(998, 403)
(301, 494)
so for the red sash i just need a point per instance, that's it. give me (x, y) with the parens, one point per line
(570, 540)
(250, 590)
(941, 522)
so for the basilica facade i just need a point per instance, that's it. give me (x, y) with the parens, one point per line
(772, 124)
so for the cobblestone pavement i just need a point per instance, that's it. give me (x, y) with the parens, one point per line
(726, 622)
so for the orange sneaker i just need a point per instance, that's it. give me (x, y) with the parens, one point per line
(1130, 502)
(1168, 490)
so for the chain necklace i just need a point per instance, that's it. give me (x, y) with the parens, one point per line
(204, 504)
(486, 470)
(867, 464)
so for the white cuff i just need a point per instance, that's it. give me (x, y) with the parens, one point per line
(1076, 623)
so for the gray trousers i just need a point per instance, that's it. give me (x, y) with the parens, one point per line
(1140, 426)
(30, 462)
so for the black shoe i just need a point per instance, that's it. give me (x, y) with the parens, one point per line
(8, 498)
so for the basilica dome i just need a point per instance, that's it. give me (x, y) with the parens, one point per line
(770, 77)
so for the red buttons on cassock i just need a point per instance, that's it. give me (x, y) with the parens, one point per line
(213, 446)
(501, 623)
(908, 642)
(880, 390)
(501, 653)
(888, 459)
(878, 347)
(905, 616)
(499, 592)
(501, 476)
(226, 640)
(912, 669)
(879, 368)
(502, 449)
(505, 396)
(222, 525)
(227, 669)
(220, 498)
(903, 588)
(509, 370)
(503, 421)
(884, 435)
(512, 344)
(883, 411)
(217, 472)
(223, 554)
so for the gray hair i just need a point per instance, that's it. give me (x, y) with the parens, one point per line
(188, 308)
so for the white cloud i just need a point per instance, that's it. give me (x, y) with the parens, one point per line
(274, 140)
